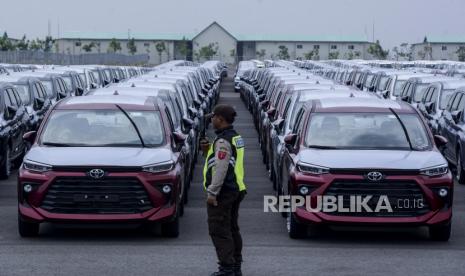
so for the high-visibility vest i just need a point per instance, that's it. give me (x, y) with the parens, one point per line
(234, 179)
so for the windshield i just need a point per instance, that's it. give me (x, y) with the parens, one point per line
(68, 82)
(100, 128)
(445, 96)
(382, 83)
(419, 92)
(48, 88)
(365, 131)
(23, 93)
(398, 87)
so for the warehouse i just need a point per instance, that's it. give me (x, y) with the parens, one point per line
(215, 42)
(440, 48)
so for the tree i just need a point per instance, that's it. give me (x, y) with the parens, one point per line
(461, 53)
(316, 54)
(350, 55)
(208, 51)
(309, 55)
(377, 51)
(48, 43)
(114, 46)
(333, 55)
(23, 44)
(283, 52)
(261, 54)
(160, 47)
(132, 48)
(88, 47)
(35, 45)
(5, 43)
(183, 48)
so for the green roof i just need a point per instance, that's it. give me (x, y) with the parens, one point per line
(301, 38)
(122, 36)
(445, 39)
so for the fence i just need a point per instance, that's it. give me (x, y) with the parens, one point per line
(40, 57)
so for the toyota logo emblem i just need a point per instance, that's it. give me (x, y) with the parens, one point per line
(375, 176)
(96, 173)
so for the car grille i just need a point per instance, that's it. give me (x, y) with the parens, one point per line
(405, 194)
(83, 195)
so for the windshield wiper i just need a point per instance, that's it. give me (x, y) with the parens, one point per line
(322, 147)
(52, 144)
(403, 127)
(133, 124)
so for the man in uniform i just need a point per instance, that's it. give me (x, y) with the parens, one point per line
(224, 182)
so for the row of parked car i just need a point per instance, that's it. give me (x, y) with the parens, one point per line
(121, 152)
(28, 92)
(347, 130)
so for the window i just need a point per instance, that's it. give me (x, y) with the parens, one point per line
(316, 47)
(12, 98)
(146, 44)
(299, 46)
(351, 47)
(78, 43)
(444, 48)
(333, 47)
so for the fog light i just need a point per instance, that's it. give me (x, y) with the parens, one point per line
(27, 188)
(443, 192)
(166, 189)
(304, 190)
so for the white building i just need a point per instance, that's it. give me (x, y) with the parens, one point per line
(437, 48)
(216, 42)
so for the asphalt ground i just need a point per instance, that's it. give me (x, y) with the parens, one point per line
(267, 248)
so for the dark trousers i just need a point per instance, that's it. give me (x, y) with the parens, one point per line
(224, 228)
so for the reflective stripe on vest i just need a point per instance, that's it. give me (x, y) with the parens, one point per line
(236, 162)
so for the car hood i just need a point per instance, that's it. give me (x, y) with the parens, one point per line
(101, 156)
(380, 159)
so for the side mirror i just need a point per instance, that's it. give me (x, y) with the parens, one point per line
(385, 94)
(202, 96)
(260, 91)
(30, 137)
(79, 91)
(290, 139)
(38, 103)
(10, 112)
(192, 111)
(105, 83)
(440, 141)
(271, 112)
(456, 115)
(187, 123)
(197, 103)
(61, 96)
(93, 85)
(404, 98)
(179, 139)
(264, 103)
(115, 80)
(278, 125)
(429, 107)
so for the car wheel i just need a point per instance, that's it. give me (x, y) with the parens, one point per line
(440, 232)
(170, 229)
(295, 229)
(460, 174)
(27, 229)
(5, 169)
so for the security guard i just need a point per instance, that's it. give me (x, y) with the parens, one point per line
(224, 182)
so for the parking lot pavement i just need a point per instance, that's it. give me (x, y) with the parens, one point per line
(267, 248)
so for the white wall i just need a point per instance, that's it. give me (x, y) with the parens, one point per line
(215, 34)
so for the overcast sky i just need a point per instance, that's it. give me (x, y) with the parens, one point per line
(395, 21)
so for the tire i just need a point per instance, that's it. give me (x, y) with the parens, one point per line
(27, 229)
(5, 169)
(440, 232)
(460, 174)
(295, 229)
(170, 229)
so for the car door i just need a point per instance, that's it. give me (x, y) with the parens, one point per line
(16, 124)
(456, 128)
(447, 129)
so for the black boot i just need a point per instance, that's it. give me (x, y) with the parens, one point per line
(237, 269)
(224, 271)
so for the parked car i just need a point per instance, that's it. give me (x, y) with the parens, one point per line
(358, 147)
(103, 159)
(13, 125)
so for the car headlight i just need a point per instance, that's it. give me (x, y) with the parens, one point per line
(36, 166)
(435, 171)
(159, 167)
(311, 169)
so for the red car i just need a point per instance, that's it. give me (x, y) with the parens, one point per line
(103, 159)
(366, 148)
